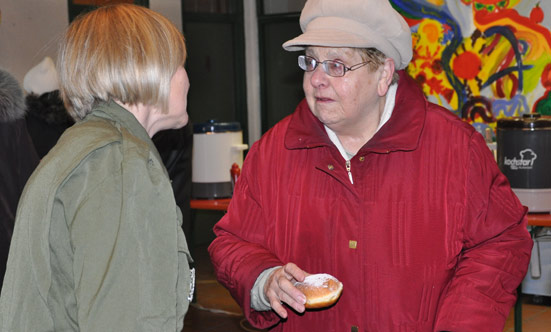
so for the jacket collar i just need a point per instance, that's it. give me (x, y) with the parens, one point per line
(125, 119)
(401, 132)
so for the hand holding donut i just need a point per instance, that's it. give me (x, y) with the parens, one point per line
(300, 290)
(280, 288)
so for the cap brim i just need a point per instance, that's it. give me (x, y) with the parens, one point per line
(329, 38)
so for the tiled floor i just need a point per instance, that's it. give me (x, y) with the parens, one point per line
(535, 317)
(227, 316)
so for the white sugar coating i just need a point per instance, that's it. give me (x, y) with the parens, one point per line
(318, 280)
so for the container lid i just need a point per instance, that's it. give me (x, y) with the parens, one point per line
(212, 126)
(527, 121)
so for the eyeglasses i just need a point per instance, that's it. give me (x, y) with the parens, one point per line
(330, 67)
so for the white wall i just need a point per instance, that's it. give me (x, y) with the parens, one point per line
(30, 30)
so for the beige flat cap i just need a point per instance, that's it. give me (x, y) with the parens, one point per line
(354, 23)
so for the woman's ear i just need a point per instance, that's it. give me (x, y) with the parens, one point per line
(387, 72)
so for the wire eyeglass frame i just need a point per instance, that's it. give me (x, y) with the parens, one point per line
(332, 68)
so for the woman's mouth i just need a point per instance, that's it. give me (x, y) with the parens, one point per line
(323, 99)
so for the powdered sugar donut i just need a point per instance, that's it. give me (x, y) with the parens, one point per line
(321, 290)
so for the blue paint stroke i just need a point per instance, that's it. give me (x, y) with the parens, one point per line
(512, 39)
(516, 104)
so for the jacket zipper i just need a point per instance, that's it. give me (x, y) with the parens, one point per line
(349, 171)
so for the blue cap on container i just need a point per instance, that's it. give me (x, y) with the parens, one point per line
(211, 126)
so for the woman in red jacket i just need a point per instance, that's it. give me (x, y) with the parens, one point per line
(368, 181)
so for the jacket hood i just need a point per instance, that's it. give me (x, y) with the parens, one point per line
(12, 103)
(401, 132)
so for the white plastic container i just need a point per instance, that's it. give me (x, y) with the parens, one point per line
(538, 278)
(216, 147)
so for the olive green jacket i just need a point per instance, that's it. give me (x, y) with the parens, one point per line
(97, 244)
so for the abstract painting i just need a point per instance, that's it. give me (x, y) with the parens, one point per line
(482, 59)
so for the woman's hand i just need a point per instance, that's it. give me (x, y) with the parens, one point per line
(279, 289)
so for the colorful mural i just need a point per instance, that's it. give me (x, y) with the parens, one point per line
(482, 59)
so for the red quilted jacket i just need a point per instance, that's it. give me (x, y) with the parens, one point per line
(440, 238)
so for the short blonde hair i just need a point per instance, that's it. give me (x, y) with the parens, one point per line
(119, 52)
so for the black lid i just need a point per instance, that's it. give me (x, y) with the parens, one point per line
(211, 126)
(527, 121)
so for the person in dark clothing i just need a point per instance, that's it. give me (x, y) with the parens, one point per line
(18, 158)
(175, 147)
(46, 120)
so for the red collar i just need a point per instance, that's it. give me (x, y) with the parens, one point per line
(401, 132)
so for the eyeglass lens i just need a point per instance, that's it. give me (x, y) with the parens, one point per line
(330, 67)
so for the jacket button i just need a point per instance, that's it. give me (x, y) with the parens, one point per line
(330, 167)
(362, 158)
(352, 244)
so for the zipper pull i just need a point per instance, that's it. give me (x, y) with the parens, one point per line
(348, 169)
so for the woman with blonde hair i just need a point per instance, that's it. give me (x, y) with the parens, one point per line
(97, 244)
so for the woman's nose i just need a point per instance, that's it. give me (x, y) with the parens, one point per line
(318, 76)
